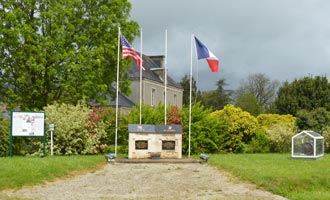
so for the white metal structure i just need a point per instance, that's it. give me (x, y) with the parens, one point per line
(307, 144)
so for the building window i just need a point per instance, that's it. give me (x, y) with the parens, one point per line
(175, 99)
(141, 144)
(168, 145)
(153, 93)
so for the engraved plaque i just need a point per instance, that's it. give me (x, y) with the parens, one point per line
(141, 144)
(168, 145)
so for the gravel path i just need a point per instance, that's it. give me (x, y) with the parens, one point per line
(146, 181)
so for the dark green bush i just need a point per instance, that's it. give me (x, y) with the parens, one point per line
(4, 136)
(258, 144)
(206, 131)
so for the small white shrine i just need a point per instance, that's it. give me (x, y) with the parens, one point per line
(155, 141)
(307, 144)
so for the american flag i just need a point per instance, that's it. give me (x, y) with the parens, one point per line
(129, 52)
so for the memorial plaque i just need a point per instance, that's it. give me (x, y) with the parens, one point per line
(141, 144)
(168, 145)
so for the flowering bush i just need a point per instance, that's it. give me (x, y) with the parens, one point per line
(241, 127)
(174, 115)
(267, 121)
(280, 136)
(279, 129)
(78, 129)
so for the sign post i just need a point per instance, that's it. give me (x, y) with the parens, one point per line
(27, 124)
(51, 128)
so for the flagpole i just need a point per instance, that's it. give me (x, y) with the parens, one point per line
(197, 74)
(191, 55)
(117, 91)
(140, 68)
(165, 74)
(195, 99)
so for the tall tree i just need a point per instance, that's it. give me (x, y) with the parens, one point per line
(261, 87)
(248, 102)
(60, 50)
(306, 93)
(317, 119)
(196, 94)
(218, 98)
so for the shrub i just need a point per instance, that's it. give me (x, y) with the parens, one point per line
(78, 129)
(4, 136)
(206, 131)
(174, 115)
(241, 127)
(280, 137)
(326, 135)
(258, 144)
(108, 115)
(267, 121)
(279, 130)
(150, 114)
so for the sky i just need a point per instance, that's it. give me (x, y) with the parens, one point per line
(283, 39)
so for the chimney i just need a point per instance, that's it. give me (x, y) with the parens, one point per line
(159, 60)
(159, 69)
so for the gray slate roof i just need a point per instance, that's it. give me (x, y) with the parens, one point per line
(123, 101)
(134, 72)
(148, 64)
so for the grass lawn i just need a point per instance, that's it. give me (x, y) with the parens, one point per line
(280, 174)
(18, 171)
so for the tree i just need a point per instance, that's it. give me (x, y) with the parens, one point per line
(259, 85)
(60, 51)
(218, 98)
(249, 103)
(307, 93)
(317, 119)
(195, 94)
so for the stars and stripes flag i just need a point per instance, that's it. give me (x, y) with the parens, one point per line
(129, 52)
(204, 52)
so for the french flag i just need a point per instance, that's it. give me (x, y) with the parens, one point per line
(204, 52)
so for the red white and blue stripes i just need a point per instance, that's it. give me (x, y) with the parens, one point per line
(203, 52)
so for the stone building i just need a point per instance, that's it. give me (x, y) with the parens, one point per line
(153, 86)
(153, 79)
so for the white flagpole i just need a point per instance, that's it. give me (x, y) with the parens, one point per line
(165, 74)
(197, 67)
(195, 99)
(191, 55)
(140, 67)
(117, 91)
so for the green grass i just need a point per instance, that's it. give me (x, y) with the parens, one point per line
(17, 172)
(280, 174)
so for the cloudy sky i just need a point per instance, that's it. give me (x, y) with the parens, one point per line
(284, 39)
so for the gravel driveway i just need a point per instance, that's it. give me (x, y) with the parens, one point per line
(146, 181)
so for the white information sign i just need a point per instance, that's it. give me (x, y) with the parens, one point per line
(28, 123)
